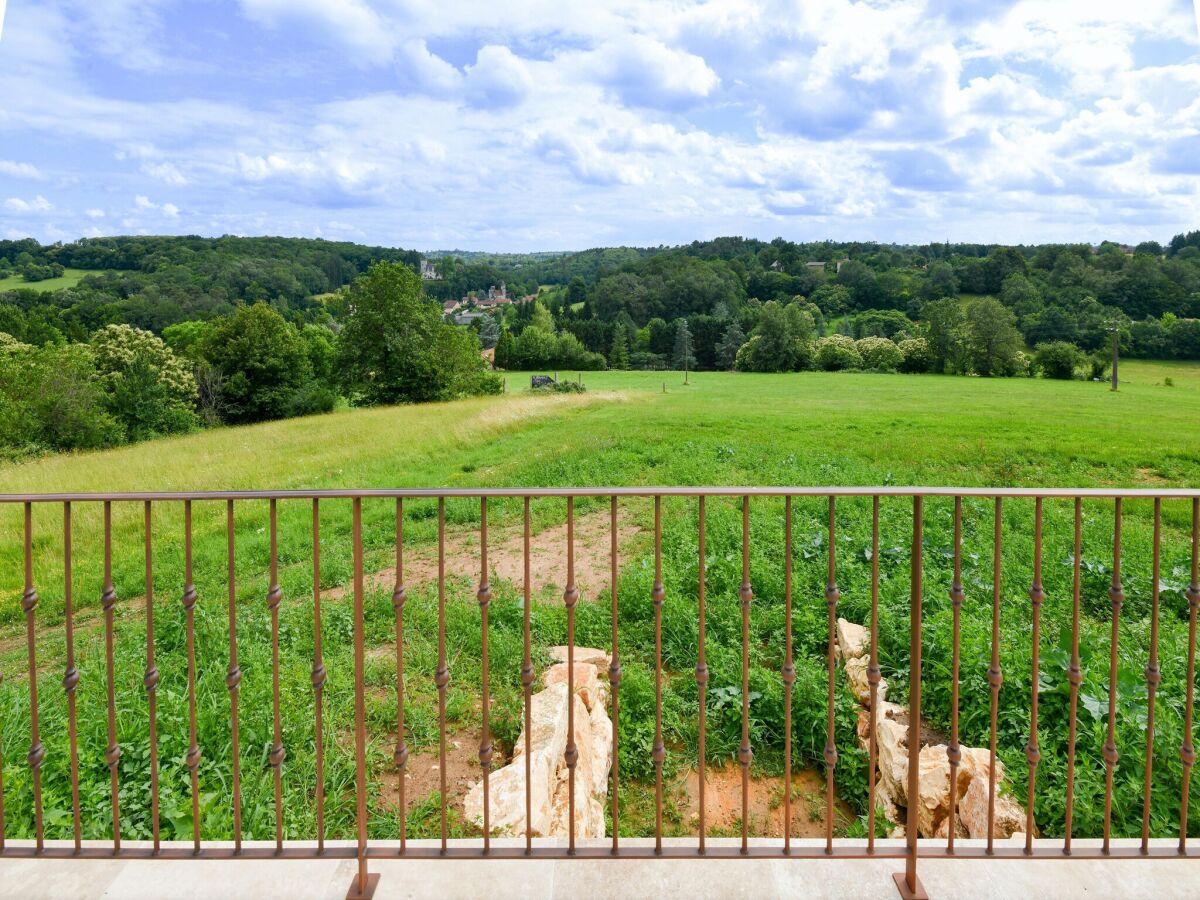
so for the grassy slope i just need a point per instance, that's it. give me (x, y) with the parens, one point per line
(723, 429)
(69, 279)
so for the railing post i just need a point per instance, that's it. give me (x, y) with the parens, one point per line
(364, 884)
(907, 881)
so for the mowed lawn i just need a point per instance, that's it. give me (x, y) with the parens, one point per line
(720, 429)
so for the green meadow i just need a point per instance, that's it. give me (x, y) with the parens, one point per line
(69, 279)
(629, 428)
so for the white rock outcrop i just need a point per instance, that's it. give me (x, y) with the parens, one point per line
(549, 773)
(933, 776)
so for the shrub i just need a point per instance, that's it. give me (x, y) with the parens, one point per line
(837, 352)
(647, 362)
(51, 399)
(560, 387)
(151, 391)
(879, 353)
(917, 355)
(1058, 359)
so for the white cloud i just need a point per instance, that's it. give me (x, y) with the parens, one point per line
(165, 172)
(16, 169)
(646, 72)
(353, 22)
(428, 124)
(498, 78)
(38, 204)
(95, 213)
(142, 203)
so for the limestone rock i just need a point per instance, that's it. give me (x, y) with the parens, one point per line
(506, 789)
(602, 749)
(506, 786)
(853, 640)
(587, 683)
(548, 722)
(973, 807)
(586, 822)
(892, 743)
(856, 675)
(590, 655)
(933, 795)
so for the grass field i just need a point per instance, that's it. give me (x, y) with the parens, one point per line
(69, 279)
(807, 429)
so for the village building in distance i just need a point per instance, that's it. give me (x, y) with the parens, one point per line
(472, 306)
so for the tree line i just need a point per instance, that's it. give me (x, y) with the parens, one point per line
(173, 333)
(125, 383)
(951, 296)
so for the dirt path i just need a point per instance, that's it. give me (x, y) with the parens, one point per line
(547, 557)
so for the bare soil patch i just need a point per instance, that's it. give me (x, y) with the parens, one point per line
(547, 557)
(723, 802)
(424, 773)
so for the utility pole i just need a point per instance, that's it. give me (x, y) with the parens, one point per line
(1115, 327)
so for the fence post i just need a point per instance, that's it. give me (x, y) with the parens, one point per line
(907, 881)
(364, 884)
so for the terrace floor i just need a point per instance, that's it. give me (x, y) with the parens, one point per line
(590, 878)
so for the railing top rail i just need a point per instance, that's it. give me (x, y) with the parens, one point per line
(645, 491)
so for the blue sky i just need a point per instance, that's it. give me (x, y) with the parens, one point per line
(547, 125)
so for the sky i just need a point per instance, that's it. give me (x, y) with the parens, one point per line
(516, 125)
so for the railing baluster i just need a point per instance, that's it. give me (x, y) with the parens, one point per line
(1116, 597)
(701, 671)
(1074, 676)
(400, 757)
(954, 752)
(233, 678)
(659, 753)
(570, 598)
(995, 673)
(527, 680)
(189, 608)
(318, 678)
(37, 752)
(873, 676)
(789, 675)
(1153, 674)
(1, 785)
(1187, 752)
(112, 754)
(832, 594)
(71, 681)
(364, 883)
(745, 596)
(441, 678)
(1036, 597)
(909, 884)
(274, 598)
(484, 596)
(150, 679)
(614, 671)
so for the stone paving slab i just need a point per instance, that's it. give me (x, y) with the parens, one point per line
(107, 879)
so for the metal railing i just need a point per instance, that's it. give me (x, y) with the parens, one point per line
(365, 849)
